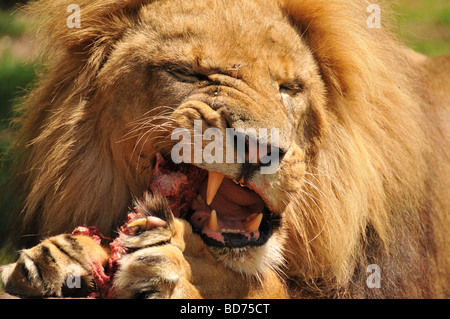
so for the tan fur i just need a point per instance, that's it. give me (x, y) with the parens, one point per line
(169, 262)
(365, 178)
(43, 269)
(196, 274)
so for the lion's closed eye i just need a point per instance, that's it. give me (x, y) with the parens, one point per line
(186, 76)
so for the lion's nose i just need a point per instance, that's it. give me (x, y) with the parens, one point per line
(254, 130)
(268, 163)
(257, 155)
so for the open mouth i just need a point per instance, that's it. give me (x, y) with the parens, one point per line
(223, 212)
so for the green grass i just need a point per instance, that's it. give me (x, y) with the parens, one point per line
(425, 25)
(15, 75)
(15, 69)
(12, 24)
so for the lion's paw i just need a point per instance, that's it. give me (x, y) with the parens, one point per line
(59, 266)
(154, 265)
(153, 272)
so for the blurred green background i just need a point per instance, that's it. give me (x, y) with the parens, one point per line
(424, 25)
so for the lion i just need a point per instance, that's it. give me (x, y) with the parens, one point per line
(357, 206)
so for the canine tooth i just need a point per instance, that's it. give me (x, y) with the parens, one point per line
(214, 181)
(253, 225)
(212, 222)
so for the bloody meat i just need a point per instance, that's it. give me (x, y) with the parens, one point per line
(177, 183)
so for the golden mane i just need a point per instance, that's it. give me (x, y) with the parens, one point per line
(58, 183)
(368, 185)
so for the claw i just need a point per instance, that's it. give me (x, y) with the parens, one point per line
(140, 223)
(148, 223)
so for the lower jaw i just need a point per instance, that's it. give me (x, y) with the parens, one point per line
(252, 261)
(236, 238)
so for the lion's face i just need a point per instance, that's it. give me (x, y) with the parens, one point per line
(180, 69)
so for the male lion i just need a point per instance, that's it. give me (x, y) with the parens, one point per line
(358, 205)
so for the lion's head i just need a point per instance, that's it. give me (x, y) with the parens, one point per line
(186, 71)
(337, 92)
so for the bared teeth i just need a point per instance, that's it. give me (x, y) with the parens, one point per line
(252, 225)
(239, 183)
(212, 222)
(214, 181)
